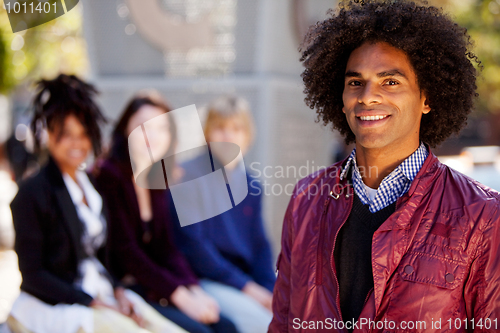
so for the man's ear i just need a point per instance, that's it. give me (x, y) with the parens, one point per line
(343, 109)
(426, 109)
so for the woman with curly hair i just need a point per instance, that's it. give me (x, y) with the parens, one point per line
(61, 229)
(393, 237)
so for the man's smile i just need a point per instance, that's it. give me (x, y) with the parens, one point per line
(373, 120)
(373, 117)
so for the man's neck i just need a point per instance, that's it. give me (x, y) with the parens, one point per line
(376, 163)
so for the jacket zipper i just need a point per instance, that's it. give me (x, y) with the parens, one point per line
(331, 257)
(319, 257)
(368, 296)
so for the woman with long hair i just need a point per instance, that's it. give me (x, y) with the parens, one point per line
(60, 223)
(142, 248)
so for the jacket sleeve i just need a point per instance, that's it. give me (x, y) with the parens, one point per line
(482, 290)
(262, 267)
(206, 260)
(123, 241)
(103, 257)
(172, 255)
(27, 213)
(281, 294)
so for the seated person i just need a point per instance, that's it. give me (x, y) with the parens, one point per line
(141, 244)
(230, 251)
(60, 225)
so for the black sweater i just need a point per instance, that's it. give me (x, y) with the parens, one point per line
(353, 256)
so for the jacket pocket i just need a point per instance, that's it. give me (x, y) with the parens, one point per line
(440, 272)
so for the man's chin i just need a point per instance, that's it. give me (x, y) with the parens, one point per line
(371, 142)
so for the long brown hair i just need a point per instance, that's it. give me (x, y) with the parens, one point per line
(119, 147)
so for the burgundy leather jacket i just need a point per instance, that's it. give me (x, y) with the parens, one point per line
(435, 260)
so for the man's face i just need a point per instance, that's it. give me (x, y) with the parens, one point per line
(382, 100)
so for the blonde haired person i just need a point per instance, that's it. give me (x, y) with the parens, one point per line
(232, 115)
(230, 252)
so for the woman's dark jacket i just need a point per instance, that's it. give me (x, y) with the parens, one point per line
(48, 238)
(146, 251)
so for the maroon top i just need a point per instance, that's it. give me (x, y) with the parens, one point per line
(435, 259)
(144, 250)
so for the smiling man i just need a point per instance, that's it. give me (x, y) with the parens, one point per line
(390, 239)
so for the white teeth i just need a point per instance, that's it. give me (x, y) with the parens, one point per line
(372, 117)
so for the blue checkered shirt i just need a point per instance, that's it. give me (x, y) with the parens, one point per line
(393, 186)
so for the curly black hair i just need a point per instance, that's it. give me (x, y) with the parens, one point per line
(438, 49)
(63, 96)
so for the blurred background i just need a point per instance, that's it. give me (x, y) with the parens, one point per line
(194, 50)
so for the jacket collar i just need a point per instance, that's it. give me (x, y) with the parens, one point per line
(426, 174)
(412, 198)
(63, 198)
(419, 185)
(399, 229)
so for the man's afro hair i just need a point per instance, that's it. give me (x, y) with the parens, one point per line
(438, 50)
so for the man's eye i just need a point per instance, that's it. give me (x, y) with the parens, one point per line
(392, 82)
(354, 83)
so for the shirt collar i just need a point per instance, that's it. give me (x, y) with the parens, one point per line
(351, 160)
(83, 187)
(409, 167)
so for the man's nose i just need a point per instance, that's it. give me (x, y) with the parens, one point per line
(370, 94)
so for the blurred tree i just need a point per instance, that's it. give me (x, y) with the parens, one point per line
(482, 19)
(43, 51)
(3, 65)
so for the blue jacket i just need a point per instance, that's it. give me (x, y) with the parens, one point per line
(231, 248)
